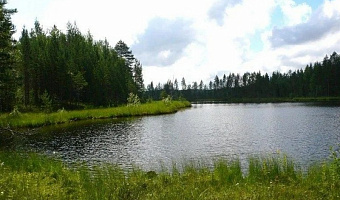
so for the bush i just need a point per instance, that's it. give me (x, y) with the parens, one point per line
(167, 100)
(15, 112)
(46, 102)
(133, 100)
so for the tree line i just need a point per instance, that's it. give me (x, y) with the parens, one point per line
(63, 69)
(47, 69)
(315, 80)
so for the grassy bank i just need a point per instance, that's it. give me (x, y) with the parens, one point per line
(17, 120)
(30, 176)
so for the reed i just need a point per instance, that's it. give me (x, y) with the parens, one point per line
(30, 120)
(33, 176)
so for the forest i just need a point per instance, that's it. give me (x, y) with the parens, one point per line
(321, 79)
(49, 69)
(73, 68)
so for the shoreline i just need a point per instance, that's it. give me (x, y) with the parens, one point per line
(335, 100)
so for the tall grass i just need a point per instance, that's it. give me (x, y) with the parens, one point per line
(62, 116)
(32, 176)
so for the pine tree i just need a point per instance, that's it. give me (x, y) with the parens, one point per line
(138, 76)
(124, 52)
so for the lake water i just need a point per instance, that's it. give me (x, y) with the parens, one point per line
(203, 133)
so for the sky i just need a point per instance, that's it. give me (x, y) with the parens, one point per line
(198, 40)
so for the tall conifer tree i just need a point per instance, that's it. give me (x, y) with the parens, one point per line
(7, 73)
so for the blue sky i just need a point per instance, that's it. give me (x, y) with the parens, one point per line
(200, 39)
(314, 4)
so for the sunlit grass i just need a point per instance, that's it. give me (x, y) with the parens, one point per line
(31, 176)
(63, 116)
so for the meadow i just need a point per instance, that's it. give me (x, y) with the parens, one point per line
(33, 176)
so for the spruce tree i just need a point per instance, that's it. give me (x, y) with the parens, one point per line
(184, 86)
(7, 72)
(25, 49)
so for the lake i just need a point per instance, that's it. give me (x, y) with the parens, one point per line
(203, 133)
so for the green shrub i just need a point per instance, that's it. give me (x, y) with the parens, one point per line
(46, 102)
(167, 100)
(133, 100)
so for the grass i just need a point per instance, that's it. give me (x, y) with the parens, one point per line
(32, 176)
(19, 120)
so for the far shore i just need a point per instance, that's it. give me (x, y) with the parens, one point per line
(335, 100)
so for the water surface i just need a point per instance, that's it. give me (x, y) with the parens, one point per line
(205, 132)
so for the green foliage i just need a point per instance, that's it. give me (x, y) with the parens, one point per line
(138, 76)
(32, 176)
(133, 100)
(272, 169)
(46, 102)
(335, 158)
(79, 81)
(181, 98)
(167, 100)
(15, 112)
(7, 51)
(163, 94)
(124, 52)
(73, 68)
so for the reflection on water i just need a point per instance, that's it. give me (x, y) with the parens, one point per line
(203, 133)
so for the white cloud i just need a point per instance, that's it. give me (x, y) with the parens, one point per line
(294, 13)
(306, 38)
(220, 48)
(169, 36)
(217, 10)
(105, 19)
(331, 8)
(309, 41)
(249, 16)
